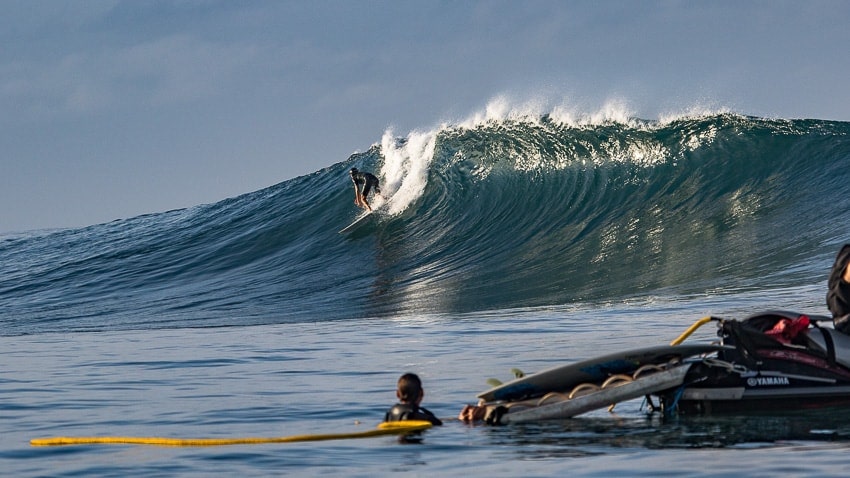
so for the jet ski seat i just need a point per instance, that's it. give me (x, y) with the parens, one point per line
(818, 338)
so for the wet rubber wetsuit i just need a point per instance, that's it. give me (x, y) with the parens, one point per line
(404, 411)
(838, 294)
(367, 180)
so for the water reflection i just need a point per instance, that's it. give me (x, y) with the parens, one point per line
(592, 436)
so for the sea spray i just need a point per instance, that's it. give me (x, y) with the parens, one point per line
(405, 167)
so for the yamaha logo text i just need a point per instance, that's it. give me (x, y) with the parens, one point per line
(767, 381)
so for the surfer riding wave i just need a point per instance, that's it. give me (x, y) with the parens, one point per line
(363, 184)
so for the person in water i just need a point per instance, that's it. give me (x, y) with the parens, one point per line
(490, 415)
(410, 395)
(838, 294)
(472, 413)
(363, 184)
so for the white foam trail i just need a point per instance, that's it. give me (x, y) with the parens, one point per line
(405, 168)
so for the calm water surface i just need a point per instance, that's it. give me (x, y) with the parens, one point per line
(333, 377)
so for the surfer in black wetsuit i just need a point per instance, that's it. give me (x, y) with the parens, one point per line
(838, 294)
(363, 184)
(410, 394)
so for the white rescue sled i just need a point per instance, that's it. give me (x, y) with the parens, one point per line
(555, 406)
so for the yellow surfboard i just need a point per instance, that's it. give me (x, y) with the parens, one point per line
(386, 428)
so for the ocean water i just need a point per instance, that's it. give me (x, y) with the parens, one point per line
(517, 241)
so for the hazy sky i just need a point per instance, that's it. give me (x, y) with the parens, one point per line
(111, 109)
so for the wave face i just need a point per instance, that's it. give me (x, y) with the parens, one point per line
(494, 214)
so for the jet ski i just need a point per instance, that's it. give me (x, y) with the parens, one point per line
(775, 360)
(768, 361)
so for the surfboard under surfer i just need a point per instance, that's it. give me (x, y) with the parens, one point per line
(363, 184)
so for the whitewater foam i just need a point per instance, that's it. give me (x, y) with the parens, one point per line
(405, 167)
(566, 113)
(406, 159)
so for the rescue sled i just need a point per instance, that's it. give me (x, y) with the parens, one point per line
(771, 360)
